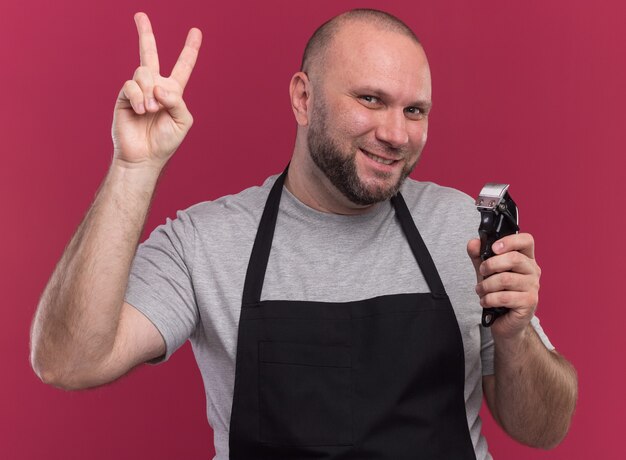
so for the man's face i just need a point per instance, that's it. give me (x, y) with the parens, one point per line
(368, 118)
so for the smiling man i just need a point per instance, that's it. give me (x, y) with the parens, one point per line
(333, 311)
(369, 102)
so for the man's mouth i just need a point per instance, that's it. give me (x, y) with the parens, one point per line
(376, 158)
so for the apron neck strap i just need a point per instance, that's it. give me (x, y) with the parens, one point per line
(257, 265)
(420, 251)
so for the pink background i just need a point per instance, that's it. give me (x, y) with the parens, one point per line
(528, 93)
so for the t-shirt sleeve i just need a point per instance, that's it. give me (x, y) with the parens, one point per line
(160, 282)
(487, 346)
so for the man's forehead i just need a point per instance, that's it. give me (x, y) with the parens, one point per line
(362, 53)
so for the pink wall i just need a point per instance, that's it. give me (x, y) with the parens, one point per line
(529, 93)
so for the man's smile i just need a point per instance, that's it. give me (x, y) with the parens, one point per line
(380, 159)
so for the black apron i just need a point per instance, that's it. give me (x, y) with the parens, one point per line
(380, 378)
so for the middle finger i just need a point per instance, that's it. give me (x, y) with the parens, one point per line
(511, 261)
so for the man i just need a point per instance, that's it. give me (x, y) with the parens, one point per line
(325, 324)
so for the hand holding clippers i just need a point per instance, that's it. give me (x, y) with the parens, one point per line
(499, 218)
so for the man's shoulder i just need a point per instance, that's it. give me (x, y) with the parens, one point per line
(436, 208)
(429, 195)
(248, 203)
(231, 217)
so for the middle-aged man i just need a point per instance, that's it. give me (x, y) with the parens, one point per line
(324, 323)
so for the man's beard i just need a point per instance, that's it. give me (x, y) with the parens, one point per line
(340, 167)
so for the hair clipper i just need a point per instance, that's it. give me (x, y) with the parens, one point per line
(498, 218)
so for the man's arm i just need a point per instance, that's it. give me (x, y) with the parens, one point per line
(533, 392)
(83, 333)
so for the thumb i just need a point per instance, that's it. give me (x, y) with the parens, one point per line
(175, 106)
(473, 251)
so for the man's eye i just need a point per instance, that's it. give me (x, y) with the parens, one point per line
(414, 112)
(370, 99)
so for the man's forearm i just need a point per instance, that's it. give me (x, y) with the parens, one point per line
(77, 317)
(535, 391)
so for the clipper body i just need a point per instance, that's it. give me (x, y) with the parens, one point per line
(499, 218)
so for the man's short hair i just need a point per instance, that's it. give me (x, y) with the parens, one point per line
(322, 37)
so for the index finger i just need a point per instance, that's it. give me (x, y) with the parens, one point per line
(147, 43)
(187, 59)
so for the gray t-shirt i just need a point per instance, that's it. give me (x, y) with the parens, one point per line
(188, 277)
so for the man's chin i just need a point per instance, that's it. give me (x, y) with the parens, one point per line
(374, 192)
(383, 183)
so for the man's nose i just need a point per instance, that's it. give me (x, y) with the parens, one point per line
(392, 128)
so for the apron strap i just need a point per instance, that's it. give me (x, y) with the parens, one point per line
(423, 257)
(257, 265)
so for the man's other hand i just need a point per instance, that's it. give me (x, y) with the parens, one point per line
(150, 118)
(508, 279)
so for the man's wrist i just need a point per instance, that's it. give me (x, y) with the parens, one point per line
(514, 347)
(144, 174)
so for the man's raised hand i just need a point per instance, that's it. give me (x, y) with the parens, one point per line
(150, 118)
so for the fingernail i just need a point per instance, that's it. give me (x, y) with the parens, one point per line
(141, 108)
(498, 246)
(152, 103)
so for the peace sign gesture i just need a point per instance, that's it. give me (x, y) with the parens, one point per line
(150, 118)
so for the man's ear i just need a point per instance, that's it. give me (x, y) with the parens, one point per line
(300, 94)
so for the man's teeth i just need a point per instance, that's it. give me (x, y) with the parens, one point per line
(379, 159)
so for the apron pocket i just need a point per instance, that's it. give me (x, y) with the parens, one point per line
(305, 394)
